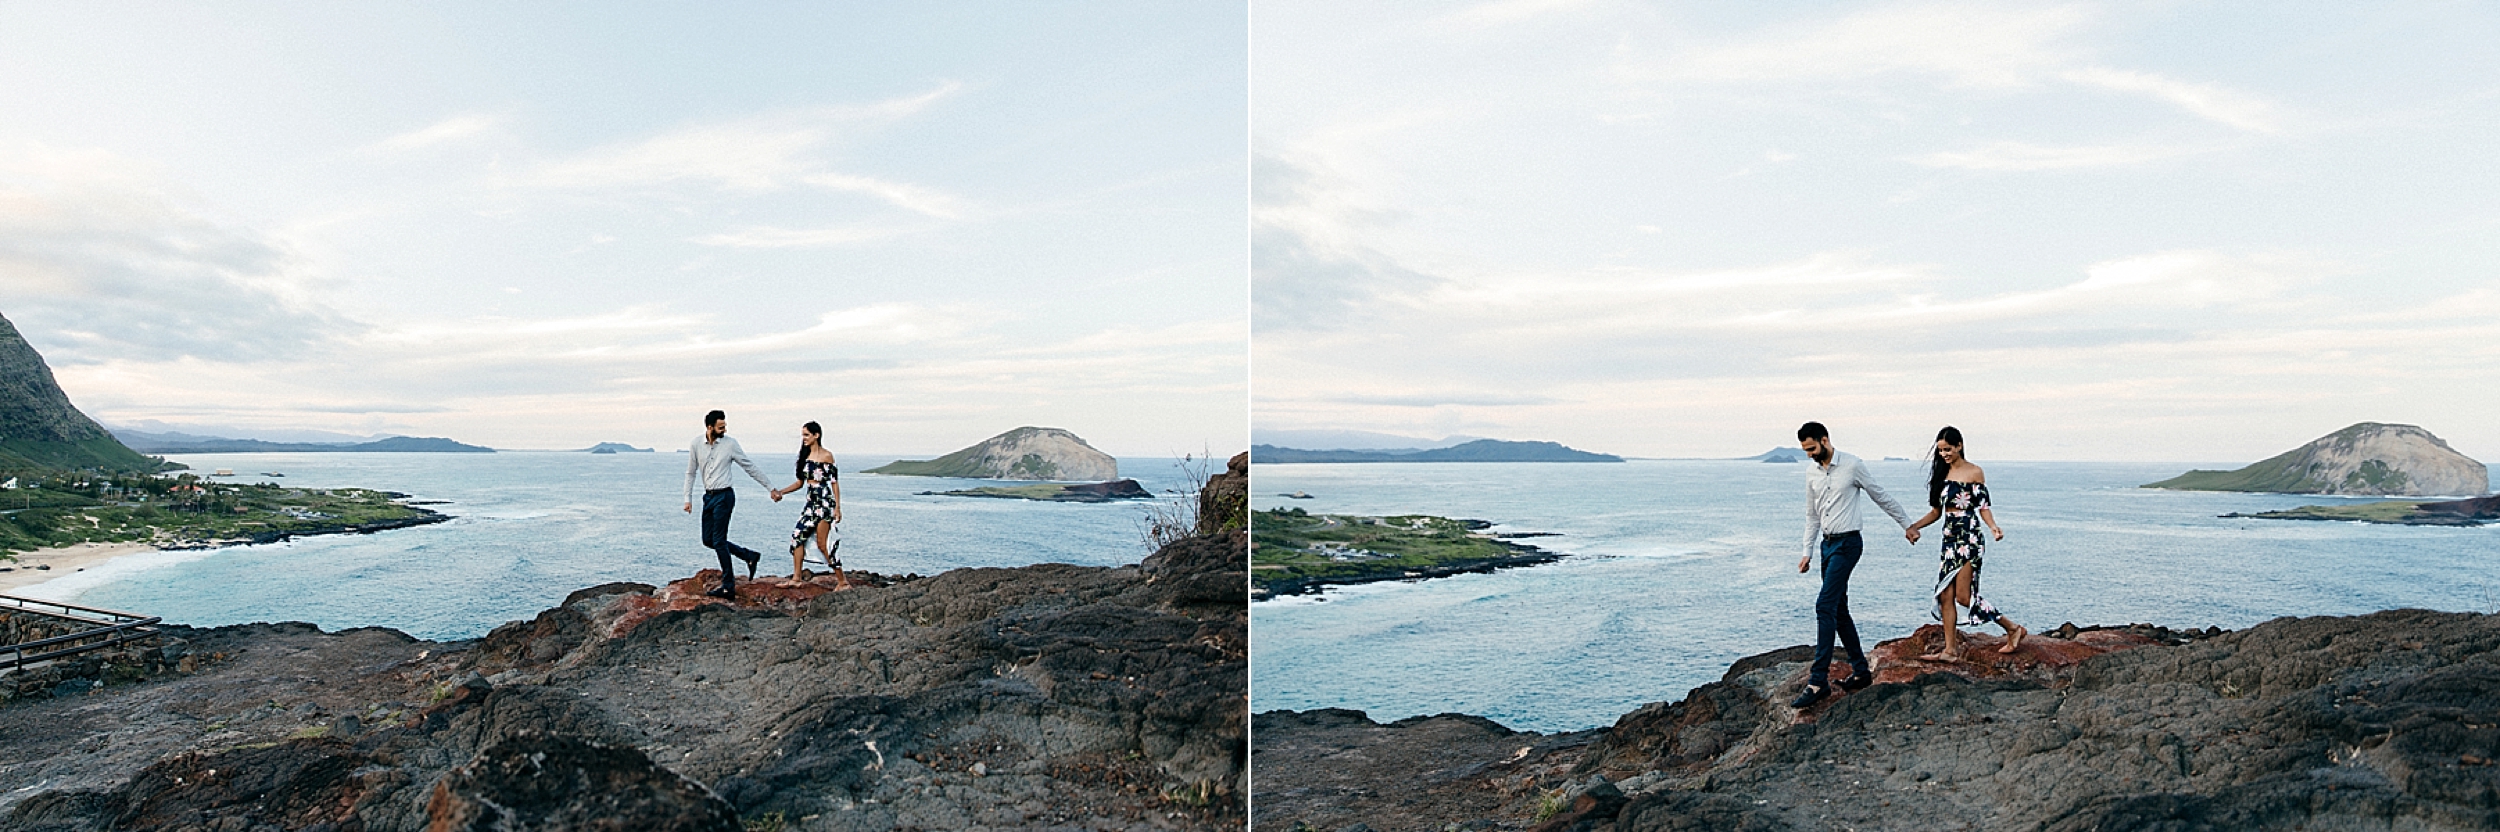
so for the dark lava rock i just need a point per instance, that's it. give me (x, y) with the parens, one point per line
(2479, 508)
(2383, 721)
(547, 783)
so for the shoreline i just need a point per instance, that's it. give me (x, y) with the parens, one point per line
(1523, 555)
(79, 557)
(65, 561)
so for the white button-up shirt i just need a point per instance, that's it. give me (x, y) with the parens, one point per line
(710, 461)
(1832, 499)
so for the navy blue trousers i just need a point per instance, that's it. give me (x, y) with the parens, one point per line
(717, 505)
(1831, 607)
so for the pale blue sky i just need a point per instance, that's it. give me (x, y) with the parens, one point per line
(2148, 231)
(548, 224)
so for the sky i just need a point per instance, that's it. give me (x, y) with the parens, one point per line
(2156, 231)
(546, 225)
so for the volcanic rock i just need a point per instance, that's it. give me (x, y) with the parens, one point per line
(539, 781)
(2384, 721)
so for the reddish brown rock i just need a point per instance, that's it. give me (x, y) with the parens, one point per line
(2045, 659)
(762, 593)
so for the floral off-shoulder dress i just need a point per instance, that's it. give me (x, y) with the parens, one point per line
(1964, 543)
(820, 477)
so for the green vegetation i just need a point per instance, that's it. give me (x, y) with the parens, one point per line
(2297, 471)
(2279, 475)
(2384, 511)
(25, 456)
(64, 508)
(1041, 491)
(1291, 548)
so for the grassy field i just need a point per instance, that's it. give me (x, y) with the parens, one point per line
(184, 510)
(1291, 548)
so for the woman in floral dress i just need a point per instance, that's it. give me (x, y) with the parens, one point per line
(823, 482)
(1957, 492)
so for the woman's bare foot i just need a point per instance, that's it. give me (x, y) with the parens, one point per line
(2014, 639)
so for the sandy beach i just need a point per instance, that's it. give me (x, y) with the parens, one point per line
(64, 561)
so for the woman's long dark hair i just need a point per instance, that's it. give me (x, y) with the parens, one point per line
(820, 439)
(1938, 468)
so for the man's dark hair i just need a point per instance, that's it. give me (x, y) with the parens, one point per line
(1814, 431)
(713, 418)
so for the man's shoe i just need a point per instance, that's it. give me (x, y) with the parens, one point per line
(1813, 694)
(1857, 680)
(752, 558)
(725, 590)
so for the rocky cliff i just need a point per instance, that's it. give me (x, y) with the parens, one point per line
(2382, 721)
(1047, 696)
(39, 428)
(2366, 459)
(1026, 453)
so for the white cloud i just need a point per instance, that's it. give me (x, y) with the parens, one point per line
(2206, 101)
(749, 155)
(2019, 156)
(1500, 13)
(1967, 44)
(452, 130)
(795, 237)
(903, 195)
(104, 273)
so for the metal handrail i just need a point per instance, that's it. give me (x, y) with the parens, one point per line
(22, 602)
(116, 628)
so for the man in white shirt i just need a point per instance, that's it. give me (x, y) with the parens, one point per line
(1832, 529)
(709, 461)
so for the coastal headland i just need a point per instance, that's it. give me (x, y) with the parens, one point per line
(1046, 696)
(2383, 721)
(1296, 551)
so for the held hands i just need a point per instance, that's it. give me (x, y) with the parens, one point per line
(1911, 534)
(777, 495)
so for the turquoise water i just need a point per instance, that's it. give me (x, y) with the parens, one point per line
(530, 528)
(1679, 567)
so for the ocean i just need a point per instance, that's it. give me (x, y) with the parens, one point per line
(529, 528)
(1677, 568)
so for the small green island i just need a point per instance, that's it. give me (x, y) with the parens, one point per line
(1293, 551)
(2474, 512)
(1053, 492)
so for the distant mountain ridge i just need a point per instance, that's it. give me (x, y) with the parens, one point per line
(180, 443)
(1481, 450)
(40, 429)
(2369, 458)
(1353, 440)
